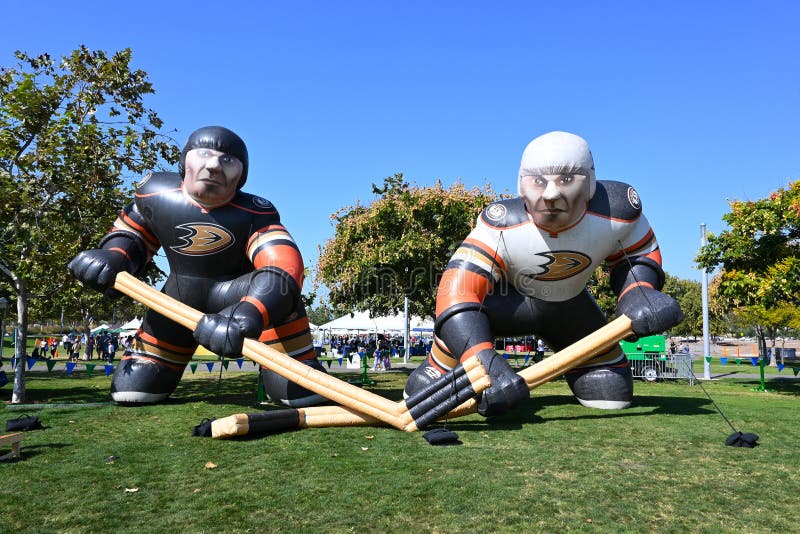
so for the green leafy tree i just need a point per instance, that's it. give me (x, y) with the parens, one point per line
(397, 246)
(688, 293)
(72, 133)
(760, 258)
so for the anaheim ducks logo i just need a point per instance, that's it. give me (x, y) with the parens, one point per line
(562, 264)
(201, 239)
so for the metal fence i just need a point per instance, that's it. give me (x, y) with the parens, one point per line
(652, 367)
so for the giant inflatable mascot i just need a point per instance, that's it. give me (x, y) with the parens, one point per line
(523, 270)
(229, 257)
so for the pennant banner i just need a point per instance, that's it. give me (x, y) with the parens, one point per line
(340, 362)
(780, 367)
(239, 362)
(90, 368)
(723, 360)
(193, 367)
(708, 359)
(109, 369)
(31, 362)
(210, 366)
(50, 364)
(754, 360)
(225, 364)
(70, 367)
(13, 362)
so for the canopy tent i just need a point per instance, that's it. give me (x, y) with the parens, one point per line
(361, 321)
(130, 327)
(100, 328)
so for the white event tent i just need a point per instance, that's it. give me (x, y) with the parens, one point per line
(361, 321)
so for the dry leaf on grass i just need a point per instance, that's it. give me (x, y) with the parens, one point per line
(211, 465)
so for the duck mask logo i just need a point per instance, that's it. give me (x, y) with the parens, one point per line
(201, 239)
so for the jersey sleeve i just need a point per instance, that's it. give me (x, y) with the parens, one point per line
(273, 246)
(640, 242)
(472, 271)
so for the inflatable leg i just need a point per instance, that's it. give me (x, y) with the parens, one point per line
(152, 368)
(288, 393)
(606, 388)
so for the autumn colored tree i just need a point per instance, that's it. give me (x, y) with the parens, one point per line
(73, 132)
(397, 246)
(759, 256)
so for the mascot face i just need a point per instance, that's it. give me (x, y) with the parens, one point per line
(555, 201)
(211, 177)
(556, 179)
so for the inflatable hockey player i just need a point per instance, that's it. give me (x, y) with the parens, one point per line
(229, 257)
(523, 270)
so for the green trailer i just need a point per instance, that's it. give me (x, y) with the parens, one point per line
(649, 358)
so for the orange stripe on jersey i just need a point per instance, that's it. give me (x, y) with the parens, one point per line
(144, 336)
(274, 229)
(282, 256)
(121, 251)
(139, 229)
(631, 250)
(458, 286)
(489, 252)
(259, 306)
(475, 349)
(285, 330)
(645, 284)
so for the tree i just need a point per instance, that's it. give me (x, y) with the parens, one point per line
(688, 293)
(760, 258)
(399, 245)
(71, 133)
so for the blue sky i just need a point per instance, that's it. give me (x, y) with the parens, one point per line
(691, 102)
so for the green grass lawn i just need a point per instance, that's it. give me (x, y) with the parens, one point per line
(551, 465)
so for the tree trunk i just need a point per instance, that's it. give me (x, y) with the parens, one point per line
(20, 347)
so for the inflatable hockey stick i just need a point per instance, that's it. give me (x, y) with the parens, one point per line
(328, 416)
(410, 415)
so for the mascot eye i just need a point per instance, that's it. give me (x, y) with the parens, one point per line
(566, 179)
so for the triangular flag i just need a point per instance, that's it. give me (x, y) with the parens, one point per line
(70, 367)
(90, 368)
(13, 362)
(239, 362)
(210, 366)
(329, 364)
(31, 363)
(723, 360)
(738, 361)
(50, 364)
(796, 370)
(780, 367)
(708, 359)
(225, 364)
(193, 367)
(340, 362)
(528, 357)
(109, 369)
(754, 360)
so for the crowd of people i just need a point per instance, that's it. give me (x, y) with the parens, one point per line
(73, 346)
(380, 347)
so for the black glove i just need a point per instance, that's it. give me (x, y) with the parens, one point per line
(507, 390)
(223, 333)
(650, 311)
(98, 268)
